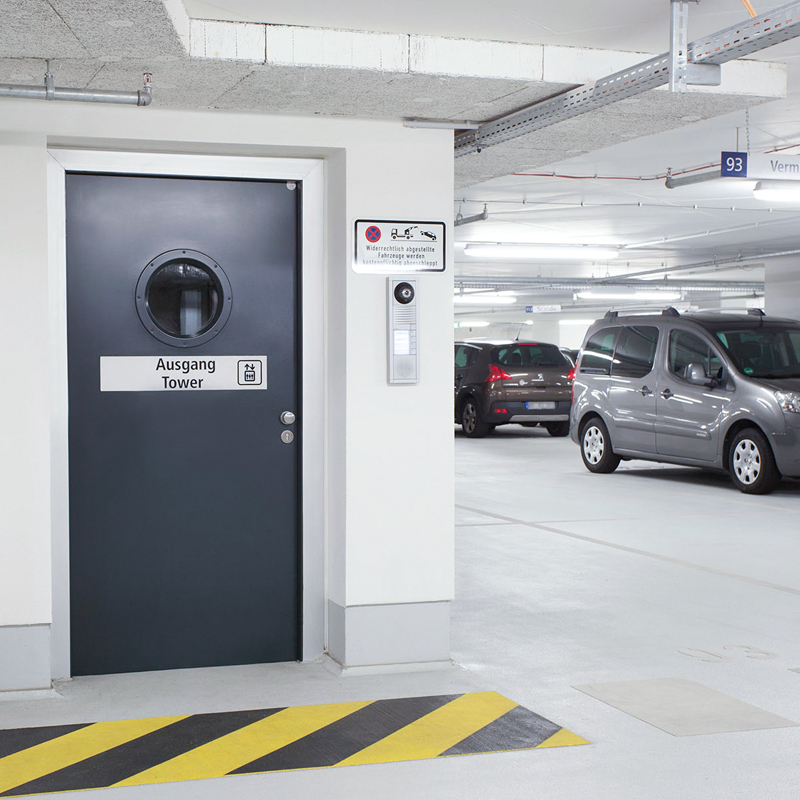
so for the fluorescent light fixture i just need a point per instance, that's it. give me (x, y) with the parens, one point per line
(485, 299)
(554, 252)
(477, 324)
(584, 323)
(781, 191)
(655, 295)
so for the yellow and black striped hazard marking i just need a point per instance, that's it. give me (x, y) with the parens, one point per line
(161, 749)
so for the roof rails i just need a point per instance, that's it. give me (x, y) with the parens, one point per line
(668, 311)
(753, 312)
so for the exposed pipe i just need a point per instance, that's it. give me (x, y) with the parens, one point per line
(474, 218)
(536, 285)
(711, 232)
(674, 183)
(721, 263)
(48, 91)
(749, 6)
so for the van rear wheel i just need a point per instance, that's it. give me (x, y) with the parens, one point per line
(751, 463)
(596, 447)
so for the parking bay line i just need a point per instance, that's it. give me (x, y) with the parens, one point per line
(669, 560)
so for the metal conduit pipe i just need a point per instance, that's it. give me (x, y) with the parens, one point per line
(49, 91)
(534, 285)
(720, 262)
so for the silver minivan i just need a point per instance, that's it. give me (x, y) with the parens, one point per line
(714, 390)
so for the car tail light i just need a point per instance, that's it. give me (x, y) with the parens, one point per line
(496, 374)
(571, 379)
(571, 375)
(501, 411)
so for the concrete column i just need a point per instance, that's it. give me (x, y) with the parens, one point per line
(782, 295)
(25, 598)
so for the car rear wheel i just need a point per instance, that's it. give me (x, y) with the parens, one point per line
(752, 465)
(596, 447)
(471, 421)
(557, 428)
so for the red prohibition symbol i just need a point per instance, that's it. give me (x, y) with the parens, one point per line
(373, 234)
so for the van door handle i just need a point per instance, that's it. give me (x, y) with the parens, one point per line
(645, 390)
(666, 394)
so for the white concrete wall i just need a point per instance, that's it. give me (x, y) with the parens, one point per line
(389, 468)
(782, 292)
(24, 396)
(399, 449)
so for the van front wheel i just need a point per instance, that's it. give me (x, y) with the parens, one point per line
(752, 465)
(596, 447)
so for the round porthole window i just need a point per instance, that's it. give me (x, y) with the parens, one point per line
(183, 298)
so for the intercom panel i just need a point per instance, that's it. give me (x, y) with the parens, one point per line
(402, 333)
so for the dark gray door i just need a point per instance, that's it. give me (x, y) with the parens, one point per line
(184, 522)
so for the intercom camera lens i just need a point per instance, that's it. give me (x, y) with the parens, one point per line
(404, 293)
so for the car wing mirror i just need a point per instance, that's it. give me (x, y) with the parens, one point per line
(696, 374)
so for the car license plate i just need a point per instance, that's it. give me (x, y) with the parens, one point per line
(540, 405)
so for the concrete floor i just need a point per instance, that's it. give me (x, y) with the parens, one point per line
(564, 578)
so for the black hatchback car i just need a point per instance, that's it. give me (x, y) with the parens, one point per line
(497, 382)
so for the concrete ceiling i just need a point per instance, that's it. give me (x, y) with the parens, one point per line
(443, 60)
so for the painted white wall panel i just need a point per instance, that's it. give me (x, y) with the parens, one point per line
(581, 65)
(228, 40)
(25, 576)
(400, 440)
(436, 55)
(322, 47)
(764, 78)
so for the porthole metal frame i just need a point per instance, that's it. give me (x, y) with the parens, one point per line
(217, 273)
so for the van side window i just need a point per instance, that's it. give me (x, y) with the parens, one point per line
(465, 356)
(636, 351)
(598, 352)
(685, 348)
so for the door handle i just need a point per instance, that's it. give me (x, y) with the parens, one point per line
(646, 390)
(666, 394)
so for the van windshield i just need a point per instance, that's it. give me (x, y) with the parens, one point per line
(764, 352)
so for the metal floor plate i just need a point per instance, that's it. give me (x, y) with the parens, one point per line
(682, 707)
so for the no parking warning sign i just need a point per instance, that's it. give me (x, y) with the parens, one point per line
(392, 246)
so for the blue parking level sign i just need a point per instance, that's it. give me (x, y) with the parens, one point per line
(733, 165)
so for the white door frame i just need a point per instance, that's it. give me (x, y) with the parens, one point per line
(311, 173)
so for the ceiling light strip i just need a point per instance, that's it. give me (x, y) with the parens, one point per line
(726, 45)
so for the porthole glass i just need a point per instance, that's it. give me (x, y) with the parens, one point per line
(183, 298)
